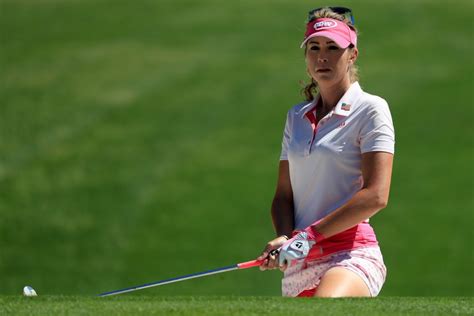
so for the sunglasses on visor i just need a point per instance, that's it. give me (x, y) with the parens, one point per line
(346, 12)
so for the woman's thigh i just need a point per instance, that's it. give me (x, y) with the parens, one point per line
(341, 282)
(358, 272)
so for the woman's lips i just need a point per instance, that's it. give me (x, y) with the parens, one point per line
(323, 70)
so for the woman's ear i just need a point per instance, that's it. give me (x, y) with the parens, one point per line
(354, 53)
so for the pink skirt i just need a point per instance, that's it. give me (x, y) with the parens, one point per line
(304, 278)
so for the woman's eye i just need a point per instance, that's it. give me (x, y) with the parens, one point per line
(333, 47)
(314, 48)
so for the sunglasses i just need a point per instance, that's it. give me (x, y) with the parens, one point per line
(346, 12)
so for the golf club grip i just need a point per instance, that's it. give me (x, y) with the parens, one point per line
(249, 264)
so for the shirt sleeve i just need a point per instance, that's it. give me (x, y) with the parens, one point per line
(286, 138)
(378, 133)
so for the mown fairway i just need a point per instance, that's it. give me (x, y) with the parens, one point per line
(245, 306)
(139, 140)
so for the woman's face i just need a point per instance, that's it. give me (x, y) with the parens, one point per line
(327, 62)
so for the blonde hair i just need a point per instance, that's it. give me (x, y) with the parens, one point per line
(311, 89)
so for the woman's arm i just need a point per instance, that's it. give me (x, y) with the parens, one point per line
(282, 216)
(376, 172)
(282, 205)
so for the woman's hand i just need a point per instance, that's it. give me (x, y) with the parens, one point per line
(296, 249)
(269, 257)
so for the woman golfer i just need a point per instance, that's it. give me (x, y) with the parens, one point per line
(334, 173)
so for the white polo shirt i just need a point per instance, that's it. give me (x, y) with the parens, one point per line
(325, 160)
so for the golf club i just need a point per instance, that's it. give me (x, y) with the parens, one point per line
(242, 265)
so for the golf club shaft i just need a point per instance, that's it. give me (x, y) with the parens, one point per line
(242, 265)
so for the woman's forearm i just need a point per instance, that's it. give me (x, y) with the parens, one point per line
(283, 216)
(360, 207)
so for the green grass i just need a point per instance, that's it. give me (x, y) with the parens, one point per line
(140, 140)
(196, 305)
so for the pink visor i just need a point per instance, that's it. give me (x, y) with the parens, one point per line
(335, 30)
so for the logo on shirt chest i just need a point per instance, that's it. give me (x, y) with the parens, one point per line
(345, 107)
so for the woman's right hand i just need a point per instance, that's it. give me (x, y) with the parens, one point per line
(270, 259)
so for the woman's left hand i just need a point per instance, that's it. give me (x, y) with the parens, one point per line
(296, 249)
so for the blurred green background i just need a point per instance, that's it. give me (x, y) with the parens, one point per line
(139, 140)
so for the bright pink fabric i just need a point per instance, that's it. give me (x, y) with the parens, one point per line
(310, 115)
(314, 235)
(333, 29)
(308, 293)
(361, 235)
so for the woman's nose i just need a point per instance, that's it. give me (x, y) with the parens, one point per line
(322, 59)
